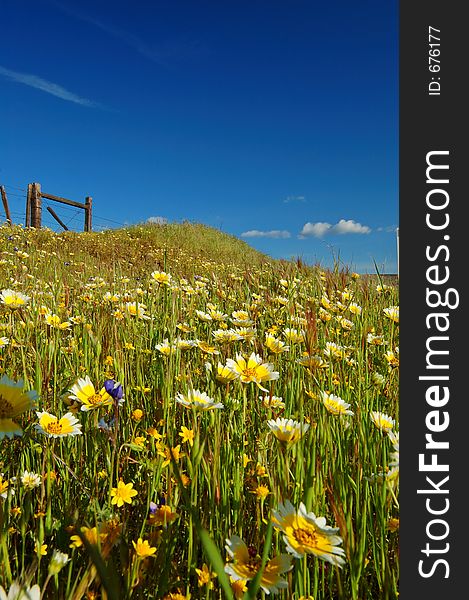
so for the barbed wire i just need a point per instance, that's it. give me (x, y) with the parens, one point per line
(11, 194)
(13, 187)
(108, 220)
(72, 218)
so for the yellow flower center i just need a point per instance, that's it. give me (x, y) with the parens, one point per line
(6, 409)
(95, 399)
(250, 372)
(53, 320)
(54, 427)
(254, 564)
(334, 406)
(14, 301)
(206, 347)
(305, 537)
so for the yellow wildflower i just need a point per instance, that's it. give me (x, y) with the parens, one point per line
(123, 493)
(205, 576)
(143, 548)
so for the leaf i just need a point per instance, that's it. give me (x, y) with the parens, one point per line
(215, 559)
(107, 572)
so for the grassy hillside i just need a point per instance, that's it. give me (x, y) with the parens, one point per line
(189, 248)
(136, 248)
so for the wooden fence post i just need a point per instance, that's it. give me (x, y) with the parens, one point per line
(57, 218)
(88, 208)
(36, 205)
(27, 222)
(5, 204)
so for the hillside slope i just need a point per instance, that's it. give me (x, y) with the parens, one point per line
(134, 251)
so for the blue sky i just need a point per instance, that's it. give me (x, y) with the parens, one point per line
(275, 121)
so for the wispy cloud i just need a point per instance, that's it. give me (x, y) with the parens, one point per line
(275, 233)
(164, 53)
(342, 227)
(290, 199)
(46, 86)
(388, 229)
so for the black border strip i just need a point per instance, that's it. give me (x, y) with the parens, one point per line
(434, 389)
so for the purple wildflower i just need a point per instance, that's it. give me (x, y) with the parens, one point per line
(114, 389)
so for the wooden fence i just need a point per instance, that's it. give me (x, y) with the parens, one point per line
(34, 207)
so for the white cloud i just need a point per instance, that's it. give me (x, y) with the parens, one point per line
(350, 226)
(46, 86)
(275, 233)
(315, 229)
(341, 227)
(157, 220)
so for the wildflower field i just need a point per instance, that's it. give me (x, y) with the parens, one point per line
(183, 417)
